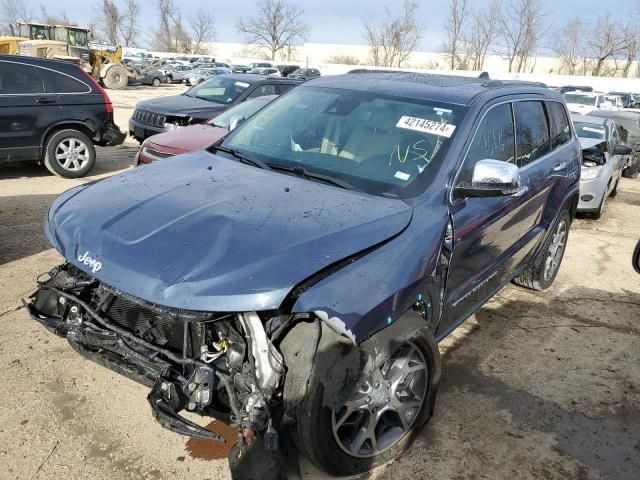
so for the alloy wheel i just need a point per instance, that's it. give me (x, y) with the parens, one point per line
(72, 154)
(385, 405)
(556, 249)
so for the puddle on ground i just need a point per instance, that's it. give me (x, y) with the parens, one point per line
(210, 450)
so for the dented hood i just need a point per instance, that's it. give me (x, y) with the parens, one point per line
(201, 232)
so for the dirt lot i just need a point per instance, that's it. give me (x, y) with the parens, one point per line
(535, 385)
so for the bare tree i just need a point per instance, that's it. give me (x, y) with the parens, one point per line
(109, 22)
(392, 41)
(203, 28)
(171, 35)
(60, 18)
(454, 26)
(129, 23)
(520, 29)
(277, 26)
(481, 34)
(14, 11)
(632, 35)
(607, 41)
(568, 46)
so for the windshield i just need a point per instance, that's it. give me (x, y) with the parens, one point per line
(589, 130)
(580, 99)
(382, 145)
(244, 110)
(218, 89)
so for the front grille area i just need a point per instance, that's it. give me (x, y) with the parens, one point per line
(164, 329)
(156, 154)
(149, 118)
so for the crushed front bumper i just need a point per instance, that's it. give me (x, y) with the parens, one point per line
(170, 391)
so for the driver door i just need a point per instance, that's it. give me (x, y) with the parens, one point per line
(486, 230)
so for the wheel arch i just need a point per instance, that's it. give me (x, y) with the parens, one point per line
(79, 125)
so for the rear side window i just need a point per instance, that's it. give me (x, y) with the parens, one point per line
(532, 132)
(16, 78)
(59, 83)
(559, 123)
(263, 90)
(284, 88)
(493, 140)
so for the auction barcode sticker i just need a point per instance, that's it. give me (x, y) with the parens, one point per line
(426, 126)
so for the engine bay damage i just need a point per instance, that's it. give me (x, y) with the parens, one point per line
(227, 365)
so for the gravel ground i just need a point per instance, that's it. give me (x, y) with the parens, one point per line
(535, 385)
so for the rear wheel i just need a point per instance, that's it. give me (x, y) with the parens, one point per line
(544, 268)
(156, 82)
(116, 77)
(69, 154)
(379, 421)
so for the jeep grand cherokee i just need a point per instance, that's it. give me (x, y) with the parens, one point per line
(296, 277)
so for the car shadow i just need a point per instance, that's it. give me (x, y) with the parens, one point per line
(108, 160)
(556, 365)
(21, 233)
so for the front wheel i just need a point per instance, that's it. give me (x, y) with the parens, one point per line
(541, 273)
(378, 422)
(155, 82)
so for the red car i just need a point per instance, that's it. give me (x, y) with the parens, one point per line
(195, 137)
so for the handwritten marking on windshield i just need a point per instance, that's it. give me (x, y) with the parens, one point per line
(402, 155)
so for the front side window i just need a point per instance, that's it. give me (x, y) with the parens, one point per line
(219, 90)
(493, 140)
(382, 145)
(532, 132)
(559, 124)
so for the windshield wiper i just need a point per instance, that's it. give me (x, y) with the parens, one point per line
(301, 172)
(243, 158)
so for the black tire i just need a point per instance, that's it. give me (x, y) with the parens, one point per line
(614, 192)
(155, 82)
(314, 433)
(116, 78)
(169, 79)
(54, 147)
(536, 277)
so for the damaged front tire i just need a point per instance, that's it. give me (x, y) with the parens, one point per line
(381, 415)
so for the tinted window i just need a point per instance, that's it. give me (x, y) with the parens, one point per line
(493, 140)
(219, 90)
(20, 79)
(284, 88)
(560, 130)
(263, 90)
(532, 132)
(58, 83)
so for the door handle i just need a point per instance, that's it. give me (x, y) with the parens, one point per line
(45, 100)
(560, 167)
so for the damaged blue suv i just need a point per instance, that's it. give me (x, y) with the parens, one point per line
(294, 279)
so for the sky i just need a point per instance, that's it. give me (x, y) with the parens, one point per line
(340, 21)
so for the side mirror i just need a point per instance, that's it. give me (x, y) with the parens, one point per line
(622, 149)
(636, 258)
(235, 121)
(494, 178)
